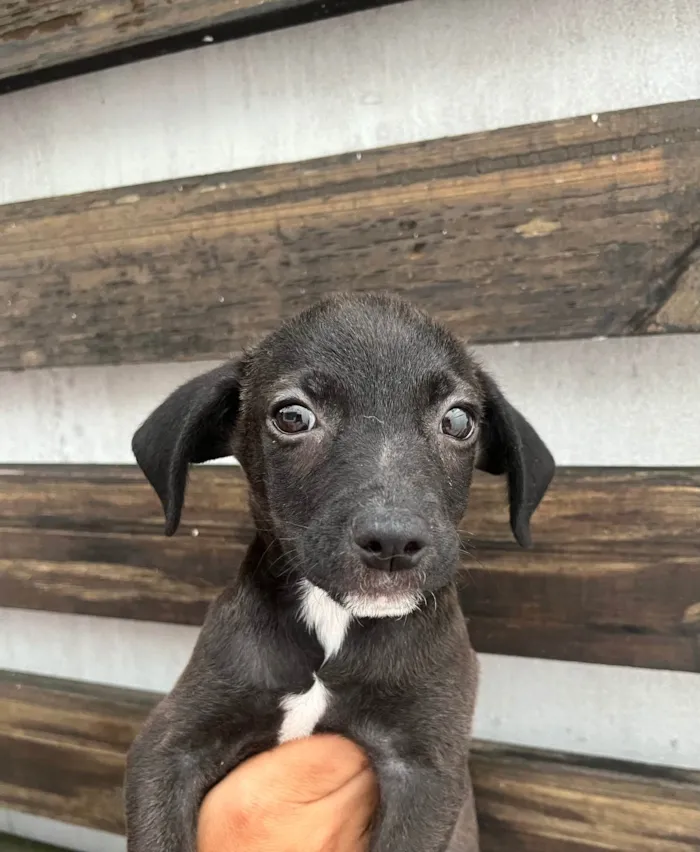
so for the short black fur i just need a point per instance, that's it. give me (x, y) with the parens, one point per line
(332, 506)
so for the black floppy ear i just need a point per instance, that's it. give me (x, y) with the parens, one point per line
(508, 444)
(194, 424)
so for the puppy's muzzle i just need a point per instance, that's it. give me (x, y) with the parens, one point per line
(392, 540)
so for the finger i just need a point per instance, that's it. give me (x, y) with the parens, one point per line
(304, 771)
(341, 821)
(337, 822)
(358, 799)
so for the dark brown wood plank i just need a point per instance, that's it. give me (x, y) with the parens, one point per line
(48, 39)
(614, 576)
(559, 230)
(62, 748)
(537, 801)
(10, 843)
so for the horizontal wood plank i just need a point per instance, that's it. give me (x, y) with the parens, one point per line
(538, 801)
(11, 843)
(62, 747)
(614, 575)
(566, 229)
(44, 41)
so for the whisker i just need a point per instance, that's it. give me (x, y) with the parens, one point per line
(475, 558)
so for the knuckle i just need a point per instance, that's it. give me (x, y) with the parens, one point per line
(246, 826)
(235, 815)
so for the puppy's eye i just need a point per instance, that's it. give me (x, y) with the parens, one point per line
(293, 419)
(458, 423)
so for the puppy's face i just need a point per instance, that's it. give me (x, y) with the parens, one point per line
(359, 425)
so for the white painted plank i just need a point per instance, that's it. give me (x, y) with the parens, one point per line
(610, 711)
(415, 71)
(628, 402)
(73, 837)
(136, 654)
(82, 414)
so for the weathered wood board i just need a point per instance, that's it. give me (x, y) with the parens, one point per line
(568, 229)
(11, 843)
(41, 41)
(614, 575)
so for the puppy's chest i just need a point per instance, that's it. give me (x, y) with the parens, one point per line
(302, 712)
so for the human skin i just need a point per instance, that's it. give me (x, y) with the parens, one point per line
(312, 795)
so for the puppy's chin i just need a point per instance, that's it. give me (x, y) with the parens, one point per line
(396, 605)
(368, 593)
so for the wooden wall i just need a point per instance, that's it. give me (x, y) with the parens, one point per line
(44, 42)
(534, 241)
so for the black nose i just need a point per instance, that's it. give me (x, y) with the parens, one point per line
(391, 542)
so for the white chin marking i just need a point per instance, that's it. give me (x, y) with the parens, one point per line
(381, 606)
(302, 712)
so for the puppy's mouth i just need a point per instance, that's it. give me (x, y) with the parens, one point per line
(382, 606)
(369, 586)
(384, 594)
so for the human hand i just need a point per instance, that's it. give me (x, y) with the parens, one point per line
(312, 795)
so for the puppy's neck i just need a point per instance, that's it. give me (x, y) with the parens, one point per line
(326, 619)
(297, 600)
(300, 634)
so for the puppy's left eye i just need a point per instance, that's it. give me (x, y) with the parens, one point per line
(458, 423)
(293, 419)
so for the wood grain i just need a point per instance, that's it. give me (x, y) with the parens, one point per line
(614, 576)
(62, 747)
(535, 801)
(41, 41)
(10, 843)
(560, 230)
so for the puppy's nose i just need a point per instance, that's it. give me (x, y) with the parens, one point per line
(392, 542)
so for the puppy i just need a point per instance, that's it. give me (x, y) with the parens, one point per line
(358, 424)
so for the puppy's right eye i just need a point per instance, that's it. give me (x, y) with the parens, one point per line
(293, 419)
(458, 423)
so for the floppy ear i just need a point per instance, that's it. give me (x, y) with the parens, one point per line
(510, 445)
(194, 424)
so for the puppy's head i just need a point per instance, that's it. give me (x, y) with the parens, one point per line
(359, 424)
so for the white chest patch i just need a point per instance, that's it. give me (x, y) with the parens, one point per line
(303, 711)
(330, 622)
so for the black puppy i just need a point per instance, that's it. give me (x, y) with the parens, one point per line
(358, 425)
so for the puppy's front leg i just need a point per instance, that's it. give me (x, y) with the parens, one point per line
(420, 809)
(164, 785)
(214, 718)
(170, 767)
